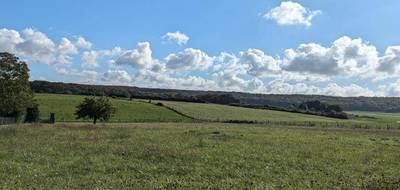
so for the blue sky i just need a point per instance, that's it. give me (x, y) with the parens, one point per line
(229, 47)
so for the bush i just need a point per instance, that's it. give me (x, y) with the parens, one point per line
(32, 114)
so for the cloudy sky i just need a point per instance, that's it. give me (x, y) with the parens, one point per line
(329, 47)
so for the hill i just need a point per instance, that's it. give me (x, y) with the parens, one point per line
(377, 104)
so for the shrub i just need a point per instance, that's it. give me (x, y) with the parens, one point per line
(32, 114)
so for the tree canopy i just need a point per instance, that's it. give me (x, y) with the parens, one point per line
(96, 109)
(15, 91)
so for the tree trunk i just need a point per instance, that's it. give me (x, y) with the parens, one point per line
(95, 120)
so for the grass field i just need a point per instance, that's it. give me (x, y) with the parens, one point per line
(64, 107)
(197, 156)
(140, 111)
(216, 112)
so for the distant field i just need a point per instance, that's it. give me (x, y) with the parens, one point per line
(140, 111)
(216, 112)
(127, 111)
(197, 156)
(379, 117)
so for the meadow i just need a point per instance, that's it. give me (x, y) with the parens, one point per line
(197, 156)
(217, 113)
(64, 107)
(142, 111)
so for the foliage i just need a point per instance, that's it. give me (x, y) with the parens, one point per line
(15, 91)
(32, 114)
(96, 109)
(64, 107)
(319, 108)
(197, 156)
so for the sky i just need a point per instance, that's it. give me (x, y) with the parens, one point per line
(328, 47)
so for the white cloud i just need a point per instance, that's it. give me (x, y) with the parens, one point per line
(390, 62)
(345, 57)
(85, 74)
(176, 37)
(116, 77)
(292, 13)
(139, 58)
(258, 63)
(9, 39)
(331, 89)
(189, 59)
(66, 47)
(37, 46)
(89, 59)
(82, 43)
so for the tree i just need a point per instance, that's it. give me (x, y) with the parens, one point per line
(15, 91)
(96, 109)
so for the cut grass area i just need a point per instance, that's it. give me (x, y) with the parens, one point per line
(64, 107)
(197, 156)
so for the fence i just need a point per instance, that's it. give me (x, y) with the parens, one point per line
(7, 120)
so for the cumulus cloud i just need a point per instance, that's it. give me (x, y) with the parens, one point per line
(189, 59)
(9, 39)
(258, 63)
(35, 45)
(282, 87)
(117, 76)
(176, 37)
(89, 59)
(345, 57)
(67, 47)
(390, 62)
(82, 43)
(140, 57)
(292, 13)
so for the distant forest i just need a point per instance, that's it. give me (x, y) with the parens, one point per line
(381, 104)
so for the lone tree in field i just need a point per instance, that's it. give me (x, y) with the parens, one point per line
(15, 90)
(96, 109)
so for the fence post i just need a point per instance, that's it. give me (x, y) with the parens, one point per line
(52, 118)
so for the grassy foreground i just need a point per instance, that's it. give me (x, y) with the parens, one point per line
(197, 156)
(64, 106)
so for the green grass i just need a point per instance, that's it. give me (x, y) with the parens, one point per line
(197, 156)
(389, 118)
(140, 111)
(216, 112)
(64, 107)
